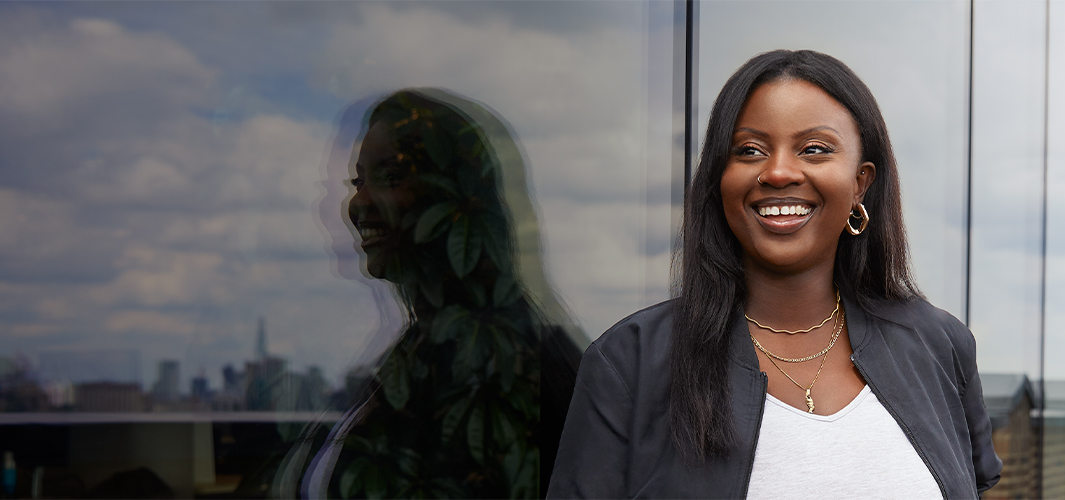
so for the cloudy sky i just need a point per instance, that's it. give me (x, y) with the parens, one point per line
(165, 168)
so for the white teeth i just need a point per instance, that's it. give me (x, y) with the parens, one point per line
(366, 234)
(785, 210)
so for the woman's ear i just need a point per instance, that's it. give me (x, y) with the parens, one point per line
(865, 176)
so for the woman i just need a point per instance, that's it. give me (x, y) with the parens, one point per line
(459, 407)
(798, 358)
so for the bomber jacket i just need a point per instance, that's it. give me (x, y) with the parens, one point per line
(919, 361)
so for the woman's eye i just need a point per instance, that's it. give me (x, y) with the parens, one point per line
(357, 182)
(748, 151)
(816, 149)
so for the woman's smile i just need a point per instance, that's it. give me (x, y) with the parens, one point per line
(783, 216)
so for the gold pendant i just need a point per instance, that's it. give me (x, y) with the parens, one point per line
(809, 401)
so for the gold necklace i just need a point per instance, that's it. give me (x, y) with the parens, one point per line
(793, 332)
(809, 398)
(832, 342)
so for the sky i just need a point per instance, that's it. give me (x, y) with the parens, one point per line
(168, 169)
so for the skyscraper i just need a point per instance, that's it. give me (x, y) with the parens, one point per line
(260, 342)
(168, 380)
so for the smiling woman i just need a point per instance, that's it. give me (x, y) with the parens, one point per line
(794, 213)
(469, 401)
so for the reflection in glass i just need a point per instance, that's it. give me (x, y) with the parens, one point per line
(470, 399)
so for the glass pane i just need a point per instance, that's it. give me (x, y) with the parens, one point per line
(1009, 41)
(188, 273)
(914, 58)
(1054, 423)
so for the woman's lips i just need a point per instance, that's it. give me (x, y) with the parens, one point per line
(372, 236)
(783, 218)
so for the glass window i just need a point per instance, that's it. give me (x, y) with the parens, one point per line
(186, 262)
(1054, 374)
(914, 58)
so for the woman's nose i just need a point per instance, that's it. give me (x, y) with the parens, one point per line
(782, 170)
(358, 204)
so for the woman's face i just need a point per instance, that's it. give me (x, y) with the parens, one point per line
(385, 192)
(805, 148)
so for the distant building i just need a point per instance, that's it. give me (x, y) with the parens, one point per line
(1009, 399)
(108, 397)
(231, 397)
(60, 394)
(264, 379)
(199, 389)
(1054, 440)
(315, 389)
(261, 351)
(167, 381)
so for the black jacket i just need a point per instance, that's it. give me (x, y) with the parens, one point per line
(919, 361)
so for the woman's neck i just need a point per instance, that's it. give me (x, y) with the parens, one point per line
(792, 301)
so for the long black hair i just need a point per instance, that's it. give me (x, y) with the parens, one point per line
(712, 289)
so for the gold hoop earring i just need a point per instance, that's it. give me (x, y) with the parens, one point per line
(864, 215)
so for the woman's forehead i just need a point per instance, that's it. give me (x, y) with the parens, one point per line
(793, 105)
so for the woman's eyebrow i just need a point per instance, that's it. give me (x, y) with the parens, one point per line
(816, 129)
(752, 131)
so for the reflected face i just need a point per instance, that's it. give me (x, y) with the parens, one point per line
(384, 194)
(793, 175)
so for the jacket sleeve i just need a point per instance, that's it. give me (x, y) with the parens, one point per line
(593, 453)
(986, 463)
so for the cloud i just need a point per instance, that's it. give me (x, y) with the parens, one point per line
(59, 68)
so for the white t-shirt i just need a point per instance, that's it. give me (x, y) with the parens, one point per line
(857, 452)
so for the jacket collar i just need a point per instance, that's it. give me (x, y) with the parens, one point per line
(857, 324)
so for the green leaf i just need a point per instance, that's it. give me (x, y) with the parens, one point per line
(430, 223)
(502, 429)
(351, 481)
(527, 485)
(467, 359)
(469, 178)
(445, 322)
(433, 290)
(521, 398)
(375, 483)
(396, 381)
(505, 361)
(442, 182)
(408, 464)
(464, 246)
(512, 463)
(439, 146)
(506, 291)
(477, 293)
(453, 418)
(475, 435)
(496, 244)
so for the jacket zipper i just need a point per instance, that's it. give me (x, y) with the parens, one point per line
(757, 431)
(905, 428)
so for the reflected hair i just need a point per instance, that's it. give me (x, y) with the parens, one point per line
(710, 289)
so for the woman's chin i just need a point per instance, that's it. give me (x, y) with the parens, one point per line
(787, 261)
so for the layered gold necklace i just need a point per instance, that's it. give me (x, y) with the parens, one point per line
(841, 320)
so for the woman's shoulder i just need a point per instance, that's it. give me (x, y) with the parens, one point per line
(637, 341)
(934, 325)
